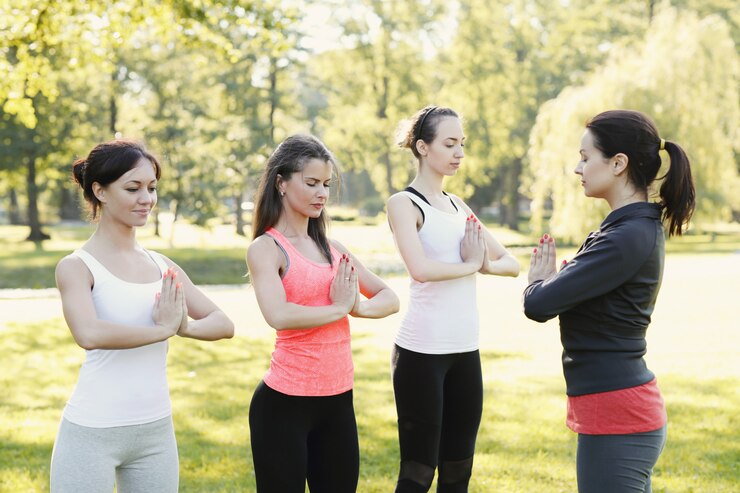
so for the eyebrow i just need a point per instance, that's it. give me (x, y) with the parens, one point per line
(138, 182)
(454, 138)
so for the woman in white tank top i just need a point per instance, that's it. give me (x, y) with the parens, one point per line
(122, 303)
(436, 364)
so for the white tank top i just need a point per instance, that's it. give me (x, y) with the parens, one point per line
(442, 316)
(120, 387)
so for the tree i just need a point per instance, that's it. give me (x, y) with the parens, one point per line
(686, 82)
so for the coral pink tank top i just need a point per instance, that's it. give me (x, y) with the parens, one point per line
(317, 361)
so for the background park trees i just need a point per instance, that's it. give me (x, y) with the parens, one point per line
(213, 85)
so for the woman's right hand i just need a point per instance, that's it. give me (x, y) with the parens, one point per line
(168, 309)
(344, 288)
(473, 245)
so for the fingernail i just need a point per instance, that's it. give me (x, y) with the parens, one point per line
(542, 240)
(545, 236)
(535, 250)
(565, 262)
(179, 285)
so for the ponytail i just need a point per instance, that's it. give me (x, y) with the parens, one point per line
(677, 193)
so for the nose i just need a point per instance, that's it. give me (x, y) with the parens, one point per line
(147, 197)
(460, 153)
(579, 168)
(322, 191)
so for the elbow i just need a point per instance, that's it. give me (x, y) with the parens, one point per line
(276, 322)
(228, 332)
(418, 274)
(533, 310)
(87, 343)
(394, 305)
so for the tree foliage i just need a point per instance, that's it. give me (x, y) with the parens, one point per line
(686, 79)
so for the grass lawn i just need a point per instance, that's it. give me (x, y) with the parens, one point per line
(216, 255)
(523, 445)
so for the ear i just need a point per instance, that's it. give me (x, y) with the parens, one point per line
(280, 184)
(99, 192)
(421, 147)
(620, 163)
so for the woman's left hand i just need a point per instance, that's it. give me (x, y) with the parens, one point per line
(542, 262)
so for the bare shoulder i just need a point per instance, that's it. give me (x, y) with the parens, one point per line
(263, 248)
(72, 269)
(399, 202)
(339, 246)
(460, 202)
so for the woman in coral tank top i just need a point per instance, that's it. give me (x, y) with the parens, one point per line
(301, 418)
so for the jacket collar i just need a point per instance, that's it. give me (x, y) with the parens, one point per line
(636, 209)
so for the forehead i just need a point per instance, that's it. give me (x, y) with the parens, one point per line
(318, 169)
(142, 171)
(587, 140)
(449, 127)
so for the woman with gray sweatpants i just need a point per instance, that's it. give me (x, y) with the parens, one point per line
(605, 296)
(122, 303)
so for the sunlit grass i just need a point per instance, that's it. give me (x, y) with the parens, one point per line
(523, 445)
(215, 255)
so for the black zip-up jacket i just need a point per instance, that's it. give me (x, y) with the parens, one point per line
(605, 297)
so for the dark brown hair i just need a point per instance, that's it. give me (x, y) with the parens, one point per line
(106, 163)
(422, 126)
(633, 134)
(290, 157)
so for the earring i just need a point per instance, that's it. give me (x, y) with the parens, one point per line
(282, 194)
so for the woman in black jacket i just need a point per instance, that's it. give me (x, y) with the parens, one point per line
(605, 296)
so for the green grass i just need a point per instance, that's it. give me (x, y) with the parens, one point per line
(522, 446)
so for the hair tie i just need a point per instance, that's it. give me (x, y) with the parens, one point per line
(662, 144)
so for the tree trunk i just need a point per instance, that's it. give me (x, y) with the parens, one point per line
(36, 234)
(510, 198)
(239, 214)
(68, 207)
(113, 105)
(14, 210)
(273, 100)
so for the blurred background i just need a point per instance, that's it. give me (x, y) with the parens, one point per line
(211, 86)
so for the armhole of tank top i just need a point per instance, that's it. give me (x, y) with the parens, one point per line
(413, 191)
(287, 257)
(158, 260)
(451, 201)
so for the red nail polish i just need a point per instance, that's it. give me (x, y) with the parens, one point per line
(542, 240)
(535, 250)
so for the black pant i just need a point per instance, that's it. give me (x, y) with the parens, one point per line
(439, 399)
(618, 463)
(295, 439)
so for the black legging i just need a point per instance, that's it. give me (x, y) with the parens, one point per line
(298, 438)
(439, 399)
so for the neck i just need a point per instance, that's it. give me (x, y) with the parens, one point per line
(292, 224)
(427, 181)
(115, 235)
(625, 196)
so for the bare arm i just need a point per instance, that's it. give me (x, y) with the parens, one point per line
(379, 299)
(75, 283)
(208, 322)
(403, 217)
(264, 260)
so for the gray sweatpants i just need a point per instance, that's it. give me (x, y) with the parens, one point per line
(618, 463)
(138, 458)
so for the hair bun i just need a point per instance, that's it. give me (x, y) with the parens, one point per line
(78, 171)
